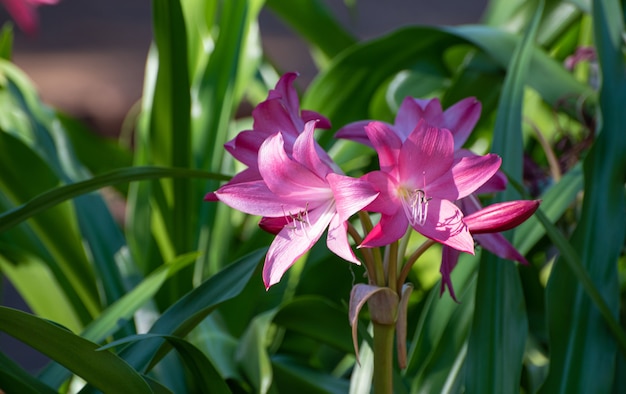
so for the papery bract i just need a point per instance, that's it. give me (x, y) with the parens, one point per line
(305, 192)
(418, 182)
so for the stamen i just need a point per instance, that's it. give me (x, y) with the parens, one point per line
(299, 221)
(415, 206)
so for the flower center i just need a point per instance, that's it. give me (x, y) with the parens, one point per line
(415, 205)
(299, 222)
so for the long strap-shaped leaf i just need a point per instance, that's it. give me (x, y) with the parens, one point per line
(63, 193)
(582, 353)
(500, 326)
(104, 370)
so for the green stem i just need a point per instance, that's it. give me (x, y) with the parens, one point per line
(383, 358)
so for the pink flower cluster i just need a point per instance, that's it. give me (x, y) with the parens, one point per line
(425, 182)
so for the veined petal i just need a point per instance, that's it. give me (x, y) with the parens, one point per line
(427, 153)
(356, 132)
(468, 173)
(245, 146)
(501, 216)
(337, 240)
(294, 241)
(387, 202)
(255, 198)
(322, 121)
(386, 143)
(285, 92)
(444, 224)
(498, 245)
(409, 114)
(305, 151)
(449, 259)
(460, 119)
(271, 116)
(287, 178)
(351, 194)
(389, 229)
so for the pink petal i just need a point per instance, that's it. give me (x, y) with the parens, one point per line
(386, 143)
(460, 119)
(389, 229)
(498, 245)
(287, 178)
(255, 198)
(24, 14)
(469, 173)
(292, 242)
(271, 116)
(322, 121)
(386, 203)
(425, 155)
(337, 240)
(501, 216)
(444, 224)
(449, 259)
(351, 194)
(305, 151)
(409, 114)
(286, 93)
(245, 146)
(356, 132)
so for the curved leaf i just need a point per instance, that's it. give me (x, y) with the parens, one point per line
(582, 355)
(500, 326)
(104, 370)
(62, 193)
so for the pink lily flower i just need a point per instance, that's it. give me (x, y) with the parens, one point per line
(485, 224)
(279, 112)
(418, 182)
(306, 193)
(24, 13)
(460, 119)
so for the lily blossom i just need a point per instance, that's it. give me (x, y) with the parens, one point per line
(419, 179)
(304, 192)
(485, 224)
(24, 13)
(459, 119)
(280, 112)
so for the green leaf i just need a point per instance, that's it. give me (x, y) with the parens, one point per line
(170, 122)
(289, 373)
(582, 354)
(500, 326)
(440, 343)
(304, 313)
(205, 377)
(15, 380)
(118, 314)
(343, 92)
(193, 307)
(66, 192)
(104, 370)
(307, 18)
(554, 202)
(252, 353)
